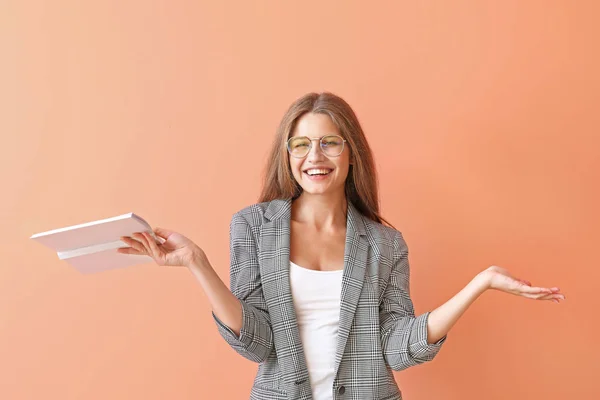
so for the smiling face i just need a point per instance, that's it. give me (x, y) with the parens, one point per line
(318, 173)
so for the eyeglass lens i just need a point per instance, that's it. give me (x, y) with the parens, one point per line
(332, 145)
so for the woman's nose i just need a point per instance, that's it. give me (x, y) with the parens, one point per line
(316, 152)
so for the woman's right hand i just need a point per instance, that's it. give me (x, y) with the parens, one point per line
(176, 250)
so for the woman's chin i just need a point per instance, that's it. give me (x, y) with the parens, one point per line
(318, 189)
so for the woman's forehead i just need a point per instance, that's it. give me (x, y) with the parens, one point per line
(315, 125)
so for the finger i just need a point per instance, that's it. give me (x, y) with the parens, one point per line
(533, 290)
(135, 237)
(129, 250)
(532, 296)
(552, 296)
(163, 233)
(156, 252)
(542, 296)
(133, 243)
(142, 240)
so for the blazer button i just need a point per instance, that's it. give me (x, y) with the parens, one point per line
(341, 390)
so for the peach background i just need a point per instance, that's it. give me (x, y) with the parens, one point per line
(483, 116)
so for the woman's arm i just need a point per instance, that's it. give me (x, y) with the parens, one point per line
(240, 312)
(246, 326)
(408, 340)
(225, 306)
(404, 336)
(444, 317)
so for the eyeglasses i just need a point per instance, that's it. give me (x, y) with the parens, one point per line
(331, 145)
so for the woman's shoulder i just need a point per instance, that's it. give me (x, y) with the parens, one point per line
(255, 213)
(384, 234)
(379, 228)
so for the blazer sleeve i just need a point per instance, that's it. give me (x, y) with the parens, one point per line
(403, 336)
(255, 341)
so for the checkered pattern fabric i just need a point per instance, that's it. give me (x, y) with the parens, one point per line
(378, 330)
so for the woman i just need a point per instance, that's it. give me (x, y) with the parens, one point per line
(319, 284)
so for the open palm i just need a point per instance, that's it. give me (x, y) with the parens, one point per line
(500, 279)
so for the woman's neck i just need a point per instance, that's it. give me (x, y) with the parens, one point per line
(323, 212)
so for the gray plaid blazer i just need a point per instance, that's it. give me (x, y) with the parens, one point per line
(378, 331)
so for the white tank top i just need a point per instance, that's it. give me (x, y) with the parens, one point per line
(316, 297)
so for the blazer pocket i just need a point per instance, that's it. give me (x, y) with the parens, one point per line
(265, 393)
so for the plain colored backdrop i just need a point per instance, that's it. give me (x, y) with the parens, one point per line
(483, 117)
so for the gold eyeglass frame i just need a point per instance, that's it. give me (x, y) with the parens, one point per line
(310, 140)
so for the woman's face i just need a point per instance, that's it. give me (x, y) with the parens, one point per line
(308, 171)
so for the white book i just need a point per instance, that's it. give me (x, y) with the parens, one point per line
(92, 246)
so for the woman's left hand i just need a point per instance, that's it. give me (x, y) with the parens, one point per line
(500, 279)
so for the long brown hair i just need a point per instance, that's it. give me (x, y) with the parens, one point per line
(361, 184)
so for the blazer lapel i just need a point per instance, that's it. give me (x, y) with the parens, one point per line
(355, 261)
(275, 277)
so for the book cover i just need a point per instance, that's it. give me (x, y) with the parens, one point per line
(92, 246)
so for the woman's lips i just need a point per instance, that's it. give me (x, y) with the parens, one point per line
(318, 177)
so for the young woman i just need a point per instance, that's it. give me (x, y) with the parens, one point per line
(319, 280)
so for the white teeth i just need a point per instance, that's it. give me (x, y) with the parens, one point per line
(318, 171)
